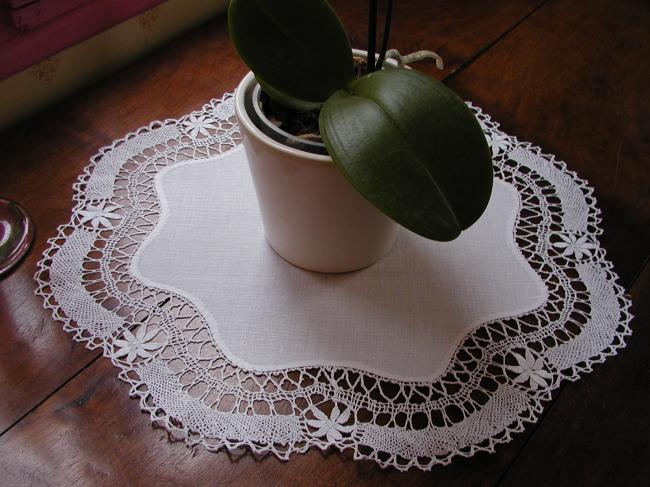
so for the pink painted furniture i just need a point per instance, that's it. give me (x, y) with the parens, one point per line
(31, 31)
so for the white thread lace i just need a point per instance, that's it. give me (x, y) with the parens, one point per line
(497, 381)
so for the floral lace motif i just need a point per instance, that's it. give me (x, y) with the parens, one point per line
(497, 380)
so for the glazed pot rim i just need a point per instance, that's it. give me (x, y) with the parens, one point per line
(253, 96)
(244, 119)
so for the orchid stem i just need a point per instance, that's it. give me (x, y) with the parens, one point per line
(386, 35)
(372, 34)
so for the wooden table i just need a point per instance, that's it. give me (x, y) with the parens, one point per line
(569, 75)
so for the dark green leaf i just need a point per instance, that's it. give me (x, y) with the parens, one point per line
(297, 47)
(411, 147)
(289, 101)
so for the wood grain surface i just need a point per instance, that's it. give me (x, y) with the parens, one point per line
(570, 76)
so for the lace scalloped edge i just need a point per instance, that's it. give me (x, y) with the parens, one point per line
(160, 418)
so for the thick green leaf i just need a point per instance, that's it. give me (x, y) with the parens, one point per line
(289, 101)
(411, 147)
(297, 47)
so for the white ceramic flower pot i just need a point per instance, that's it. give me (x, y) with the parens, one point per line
(312, 216)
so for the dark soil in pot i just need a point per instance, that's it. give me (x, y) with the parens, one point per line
(299, 124)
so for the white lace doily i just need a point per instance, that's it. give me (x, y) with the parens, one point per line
(496, 380)
(401, 318)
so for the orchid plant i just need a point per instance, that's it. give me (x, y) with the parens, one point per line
(403, 140)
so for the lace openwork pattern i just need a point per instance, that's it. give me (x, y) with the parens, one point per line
(500, 374)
